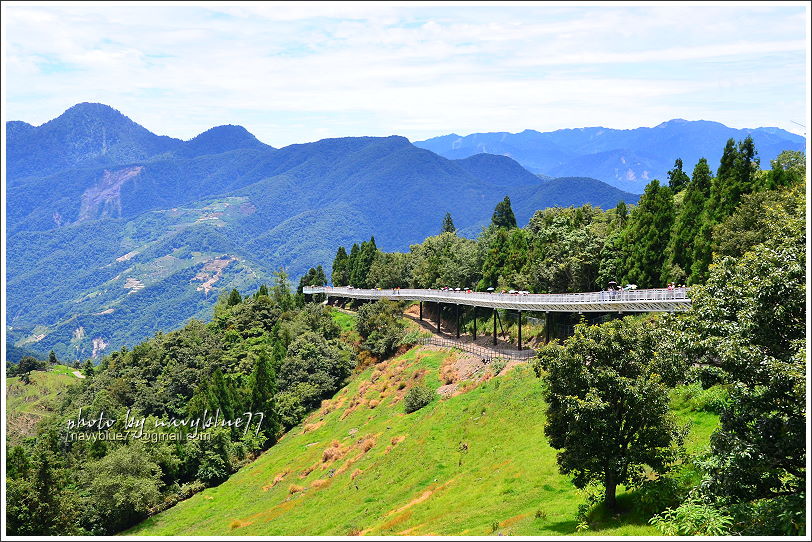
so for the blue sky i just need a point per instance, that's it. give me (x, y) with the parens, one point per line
(292, 73)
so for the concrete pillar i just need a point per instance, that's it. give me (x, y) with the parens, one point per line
(439, 310)
(458, 321)
(474, 322)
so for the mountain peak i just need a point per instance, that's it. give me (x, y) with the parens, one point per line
(220, 139)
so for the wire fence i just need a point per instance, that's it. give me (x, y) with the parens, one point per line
(486, 354)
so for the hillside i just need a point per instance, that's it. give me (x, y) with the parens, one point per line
(627, 159)
(105, 248)
(27, 404)
(474, 464)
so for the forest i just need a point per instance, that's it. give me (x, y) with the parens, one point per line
(737, 238)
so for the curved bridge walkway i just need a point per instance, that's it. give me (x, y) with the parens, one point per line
(609, 301)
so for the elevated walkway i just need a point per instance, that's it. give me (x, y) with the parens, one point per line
(654, 300)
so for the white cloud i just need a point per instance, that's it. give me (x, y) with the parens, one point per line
(297, 72)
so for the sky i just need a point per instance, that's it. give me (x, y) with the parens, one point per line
(293, 72)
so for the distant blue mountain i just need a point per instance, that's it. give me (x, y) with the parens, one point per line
(115, 233)
(627, 159)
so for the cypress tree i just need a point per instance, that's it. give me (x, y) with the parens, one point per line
(683, 249)
(503, 216)
(648, 235)
(448, 225)
(234, 298)
(677, 179)
(340, 276)
(263, 390)
(352, 262)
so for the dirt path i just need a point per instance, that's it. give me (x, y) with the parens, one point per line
(77, 374)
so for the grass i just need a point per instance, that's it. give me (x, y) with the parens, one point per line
(27, 404)
(475, 464)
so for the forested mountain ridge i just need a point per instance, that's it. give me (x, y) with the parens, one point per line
(125, 232)
(627, 159)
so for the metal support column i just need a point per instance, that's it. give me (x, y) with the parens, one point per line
(439, 310)
(547, 326)
(494, 326)
(474, 322)
(520, 330)
(421, 311)
(458, 321)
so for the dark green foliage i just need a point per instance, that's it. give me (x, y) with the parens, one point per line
(448, 224)
(503, 216)
(442, 260)
(608, 404)
(788, 168)
(88, 369)
(686, 246)
(341, 275)
(647, 237)
(224, 368)
(417, 398)
(234, 298)
(380, 325)
(748, 320)
(52, 358)
(25, 366)
(677, 179)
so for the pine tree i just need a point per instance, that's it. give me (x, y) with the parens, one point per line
(352, 262)
(234, 298)
(263, 290)
(677, 179)
(683, 248)
(503, 216)
(52, 358)
(87, 369)
(648, 234)
(340, 276)
(263, 390)
(448, 225)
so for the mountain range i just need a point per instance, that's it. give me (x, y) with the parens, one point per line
(115, 233)
(626, 159)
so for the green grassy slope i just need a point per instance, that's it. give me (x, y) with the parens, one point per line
(26, 404)
(474, 464)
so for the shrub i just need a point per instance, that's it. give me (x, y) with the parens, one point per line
(498, 365)
(693, 518)
(417, 398)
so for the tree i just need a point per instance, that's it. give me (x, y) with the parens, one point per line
(263, 389)
(234, 298)
(749, 321)
(88, 369)
(448, 224)
(380, 325)
(647, 237)
(608, 406)
(788, 168)
(685, 246)
(26, 365)
(340, 275)
(677, 179)
(281, 290)
(52, 358)
(503, 216)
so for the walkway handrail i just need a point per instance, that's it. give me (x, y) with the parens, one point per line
(650, 300)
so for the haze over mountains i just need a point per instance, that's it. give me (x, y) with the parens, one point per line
(626, 159)
(115, 233)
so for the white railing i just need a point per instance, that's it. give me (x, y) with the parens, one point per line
(652, 300)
